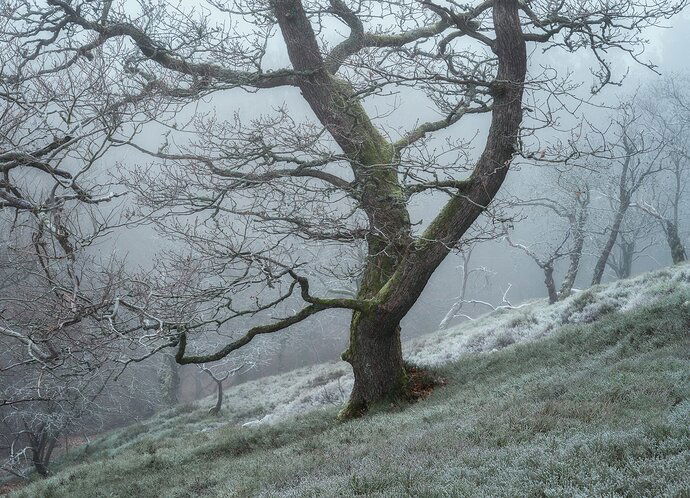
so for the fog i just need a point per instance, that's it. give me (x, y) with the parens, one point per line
(185, 218)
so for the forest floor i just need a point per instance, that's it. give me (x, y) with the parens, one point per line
(587, 397)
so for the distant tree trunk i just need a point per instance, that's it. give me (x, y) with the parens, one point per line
(198, 386)
(42, 445)
(215, 410)
(627, 257)
(282, 346)
(457, 306)
(550, 284)
(575, 256)
(169, 381)
(219, 397)
(610, 242)
(678, 254)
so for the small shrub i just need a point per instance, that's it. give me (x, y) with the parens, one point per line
(581, 300)
(503, 340)
(476, 342)
(524, 320)
(325, 378)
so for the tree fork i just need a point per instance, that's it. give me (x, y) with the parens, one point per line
(397, 269)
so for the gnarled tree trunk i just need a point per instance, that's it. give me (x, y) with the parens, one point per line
(375, 353)
(375, 350)
(42, 444)
(398, 268)
(169, 378)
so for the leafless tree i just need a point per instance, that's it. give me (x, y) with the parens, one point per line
(57, 359)
(667, 112)
(474, 279)
(634, 158)
(569, 196)
(469, 274)
(219, 373)
(251, 199)
(634, 241)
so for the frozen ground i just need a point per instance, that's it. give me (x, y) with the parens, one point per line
(588, 397)
(275, 398)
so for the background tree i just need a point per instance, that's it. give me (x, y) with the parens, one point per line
(471, 276)
(667, 112)
(219, 373)
(633, 157)
(569, 200)
(479, 278)
(54, 366)
(634, 241)
(57, 356)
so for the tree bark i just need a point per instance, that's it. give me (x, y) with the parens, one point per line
(457, 306)
(375, 353)
(678, 254)
(169, 381)
(550, 284)
(627, 257)
(608, 247)
(397, 268)
(575, 255)
(215, 410)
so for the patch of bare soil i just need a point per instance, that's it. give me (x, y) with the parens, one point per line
(423, 382)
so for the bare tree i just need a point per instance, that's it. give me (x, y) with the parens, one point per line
(57, 362)
(667, 112)
(634, 241)
(569, 200)
(634, 158)
(464, 301)
(219, 373)
(57, 367)
(54, 359)
(45, 410)
(250, 199)
(470, 275)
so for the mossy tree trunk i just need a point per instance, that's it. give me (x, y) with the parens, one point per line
(398, 266)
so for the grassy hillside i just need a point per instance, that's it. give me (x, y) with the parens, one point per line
(586, 397)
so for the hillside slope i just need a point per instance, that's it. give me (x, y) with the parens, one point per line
(586, 397)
